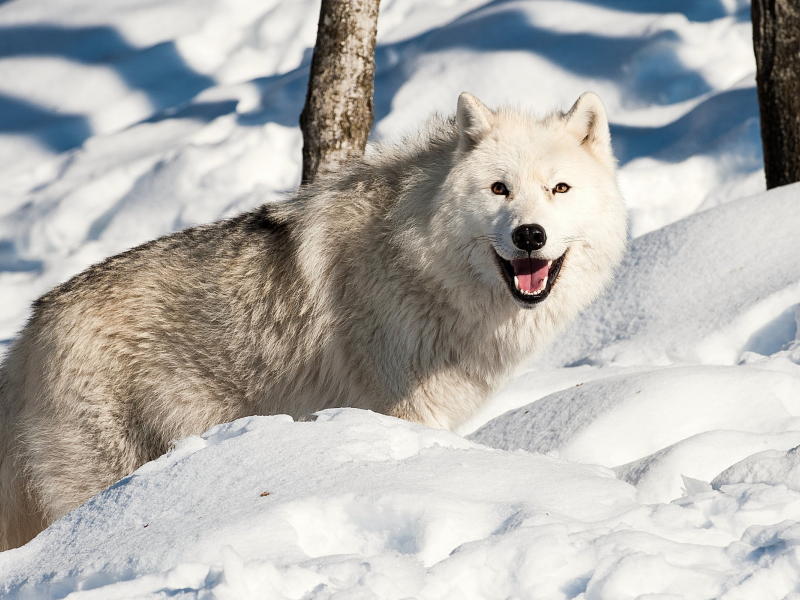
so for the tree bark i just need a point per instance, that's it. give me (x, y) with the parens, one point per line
(337, 117)
(776, 40)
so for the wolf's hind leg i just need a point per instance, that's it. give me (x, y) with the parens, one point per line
(21, 518)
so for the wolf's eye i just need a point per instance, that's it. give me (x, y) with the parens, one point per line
(561, 188)
(499, 188)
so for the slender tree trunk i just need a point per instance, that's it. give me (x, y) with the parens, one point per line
(776, 40)
(338, 114)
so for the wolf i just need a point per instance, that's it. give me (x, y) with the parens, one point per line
(412, 282)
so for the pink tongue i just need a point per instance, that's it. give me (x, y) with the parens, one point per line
(530, 273)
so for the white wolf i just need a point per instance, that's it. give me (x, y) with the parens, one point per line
(412, 283)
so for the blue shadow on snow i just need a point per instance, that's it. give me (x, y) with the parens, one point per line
(664, 80)
(693, 10)
(158, 71)
(707, 122)
(161, 73)
(58, 131)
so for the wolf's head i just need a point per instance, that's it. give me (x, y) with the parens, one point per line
(535, 202)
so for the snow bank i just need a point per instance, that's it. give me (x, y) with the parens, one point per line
(365, 504)
(771, 467)
(352, 483)
(705, 289)
(655, 427)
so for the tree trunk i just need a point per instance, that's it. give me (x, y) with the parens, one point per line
(338, 113)
(776, 40)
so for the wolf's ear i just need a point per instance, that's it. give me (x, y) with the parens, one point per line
(474, 121)
(587, 121)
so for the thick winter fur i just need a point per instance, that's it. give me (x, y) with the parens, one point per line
(378, 287)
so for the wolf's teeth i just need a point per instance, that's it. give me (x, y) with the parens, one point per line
(544, 283)
(516, 282)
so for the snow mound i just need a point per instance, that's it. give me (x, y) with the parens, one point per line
(656, 426)
(359, 504)
(687, 466)
(771, 467)
(707, 289)
(645, 412)
(352, 483)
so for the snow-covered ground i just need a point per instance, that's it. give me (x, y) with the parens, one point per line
(648, 454)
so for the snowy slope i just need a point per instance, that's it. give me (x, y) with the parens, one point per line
(363, 505)
(371, 507)
(647, 454)
(358, 484)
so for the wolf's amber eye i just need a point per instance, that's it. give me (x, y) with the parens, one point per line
(561, 188)
(499, 188)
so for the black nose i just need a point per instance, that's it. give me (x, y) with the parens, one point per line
(529, 237)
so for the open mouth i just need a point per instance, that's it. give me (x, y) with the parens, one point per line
(530, 279)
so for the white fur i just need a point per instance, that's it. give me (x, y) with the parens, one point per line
(377, 287)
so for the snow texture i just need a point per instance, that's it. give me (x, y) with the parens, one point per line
(651, 453)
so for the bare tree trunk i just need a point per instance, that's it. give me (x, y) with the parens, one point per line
(776, 40)
(338, 114)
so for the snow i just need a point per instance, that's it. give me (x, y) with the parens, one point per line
(361, 503)
(650, 453)
(656, 426)
(772, 467)
(376, 486)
